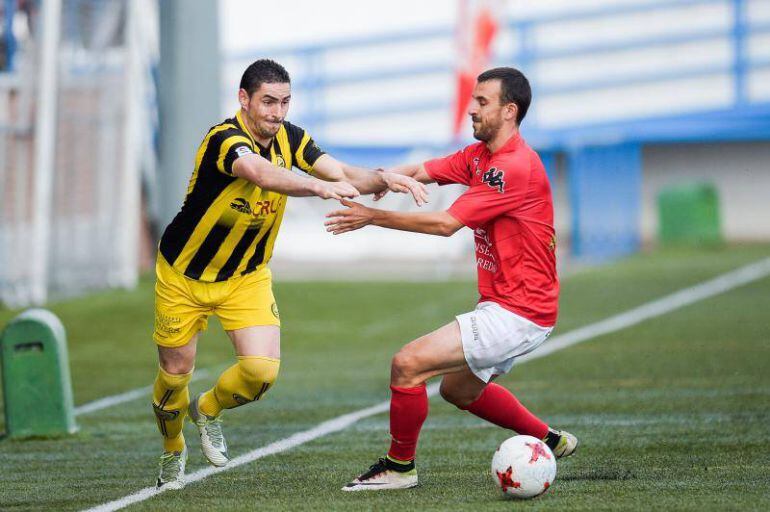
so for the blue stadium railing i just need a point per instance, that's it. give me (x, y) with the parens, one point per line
(741, 120)
(603, 159)
(9, 41)
(604, 166)
(315, 78)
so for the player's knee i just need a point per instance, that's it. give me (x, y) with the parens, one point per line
(258, 373)
(177, 367)
(177, 360)
(404, 369)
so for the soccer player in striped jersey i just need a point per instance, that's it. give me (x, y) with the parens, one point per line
(213, 257)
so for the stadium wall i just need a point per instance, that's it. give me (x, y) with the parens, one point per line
(627, 91)
(739, 170)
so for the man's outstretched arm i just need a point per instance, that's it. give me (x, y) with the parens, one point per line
(357, 216)
(367, 181)
(267, 176)
(415, 171)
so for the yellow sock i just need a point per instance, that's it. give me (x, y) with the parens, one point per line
(240, 384)
(170, 398)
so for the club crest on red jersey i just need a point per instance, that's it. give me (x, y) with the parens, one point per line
(494, 178)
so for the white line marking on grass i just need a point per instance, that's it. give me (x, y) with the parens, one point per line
(134, 394)
(674, 301)
(321, 430)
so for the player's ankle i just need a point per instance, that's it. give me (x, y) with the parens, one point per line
(399, 465)
(175, 444)
(552, 438)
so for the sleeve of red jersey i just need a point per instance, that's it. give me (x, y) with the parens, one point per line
(499, 192)
(450, 169)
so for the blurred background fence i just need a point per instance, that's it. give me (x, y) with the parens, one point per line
(631, 98)
(75, 132)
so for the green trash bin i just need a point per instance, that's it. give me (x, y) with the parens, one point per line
(37, 391)
(689, 215)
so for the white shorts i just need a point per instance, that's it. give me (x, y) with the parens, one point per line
(494, 337)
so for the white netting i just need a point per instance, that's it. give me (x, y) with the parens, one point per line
(88, 233)
(17, 90)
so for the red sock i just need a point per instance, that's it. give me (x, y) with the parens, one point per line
(498, 405)
(408, 410)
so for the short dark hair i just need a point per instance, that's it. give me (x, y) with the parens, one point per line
(514, 88)
(263, 71)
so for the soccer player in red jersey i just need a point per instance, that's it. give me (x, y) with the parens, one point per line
(508, 205)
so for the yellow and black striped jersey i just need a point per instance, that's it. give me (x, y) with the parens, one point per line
(227, 225)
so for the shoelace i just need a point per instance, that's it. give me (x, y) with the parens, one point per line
(170, 464)
(214, 431)
(374, 469)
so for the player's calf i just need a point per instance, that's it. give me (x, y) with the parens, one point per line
(244, 382)
(461, 389)
(170, 398)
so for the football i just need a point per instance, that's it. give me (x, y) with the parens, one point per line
(523, 467)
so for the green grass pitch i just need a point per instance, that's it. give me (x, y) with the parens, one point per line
(673, 414)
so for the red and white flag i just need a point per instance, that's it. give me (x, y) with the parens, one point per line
(478, 23)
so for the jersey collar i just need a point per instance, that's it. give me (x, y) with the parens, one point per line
(511, 144)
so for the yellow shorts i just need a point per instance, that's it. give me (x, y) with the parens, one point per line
(183, 305)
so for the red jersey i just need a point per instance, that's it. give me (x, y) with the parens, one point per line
(509, 207)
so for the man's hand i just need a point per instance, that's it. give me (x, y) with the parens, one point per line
(354, 217)
(334, 190)
(400, 183)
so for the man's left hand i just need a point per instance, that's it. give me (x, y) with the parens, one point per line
(354, 217)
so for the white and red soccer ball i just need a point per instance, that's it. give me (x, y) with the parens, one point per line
(523, 467)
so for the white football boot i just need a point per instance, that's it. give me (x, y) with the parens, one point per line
(213, 442)
(383, 475)
(172, 466)
(561, 443)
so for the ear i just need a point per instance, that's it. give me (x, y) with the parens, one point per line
(511, 111)
(243, 98)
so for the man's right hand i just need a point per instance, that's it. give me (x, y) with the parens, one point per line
(404, 184)
(335, 190)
